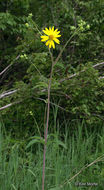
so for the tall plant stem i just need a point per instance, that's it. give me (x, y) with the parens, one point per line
(48, 106)
(47, 124)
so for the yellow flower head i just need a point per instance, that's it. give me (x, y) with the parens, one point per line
(52, 36)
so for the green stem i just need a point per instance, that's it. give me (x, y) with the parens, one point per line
(48, 106)
(47, 124)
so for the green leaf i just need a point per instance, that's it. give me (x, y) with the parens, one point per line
(34, 141)
(61, 144)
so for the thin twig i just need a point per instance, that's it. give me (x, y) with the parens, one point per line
(82, 169)
(59, 55)
(7, 93)
(53, 104)
(6, 69)
(101, 77)
(8, 105)
(98, 64)
(73, 75)
(8, 66)
(62, 80)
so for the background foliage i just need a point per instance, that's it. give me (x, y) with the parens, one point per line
(81, 96)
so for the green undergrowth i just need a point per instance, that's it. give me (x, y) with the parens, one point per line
(71, 159)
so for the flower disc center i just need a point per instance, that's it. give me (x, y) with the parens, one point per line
(51, 37)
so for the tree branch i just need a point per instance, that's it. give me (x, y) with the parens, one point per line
(6, 69)
(71, 76)
(7, 93)
(62, 80)
(8, 66)
(8, 105)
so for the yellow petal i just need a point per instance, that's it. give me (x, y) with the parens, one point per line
(53, 28)
(50, 44)
(42, 36)
(57, 36)
(47, 43)
(50, 29)
(45, 38)
(56, 40)
(46, 29)
(58, 32)
(46, 32)
(53, 44)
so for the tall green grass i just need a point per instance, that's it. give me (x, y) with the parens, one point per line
(74, 157)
